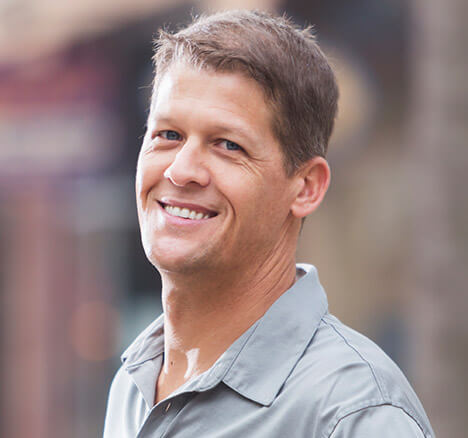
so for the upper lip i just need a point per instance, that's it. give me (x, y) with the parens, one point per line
(188, 205)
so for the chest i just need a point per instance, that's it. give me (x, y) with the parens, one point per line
(218, 413)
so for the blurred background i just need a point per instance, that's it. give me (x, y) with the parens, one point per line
(390, 241)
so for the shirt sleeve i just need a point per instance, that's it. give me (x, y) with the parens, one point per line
(384, 421)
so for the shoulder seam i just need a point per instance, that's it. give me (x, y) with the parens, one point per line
(370, 406)
(383, 394)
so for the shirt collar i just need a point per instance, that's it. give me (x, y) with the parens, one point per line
(148, 344)
(277, 341)
(258, 363)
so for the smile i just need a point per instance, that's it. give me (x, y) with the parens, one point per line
(186, 213)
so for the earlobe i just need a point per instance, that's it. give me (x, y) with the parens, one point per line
(314, 179)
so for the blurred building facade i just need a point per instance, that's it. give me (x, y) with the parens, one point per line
(389, 242)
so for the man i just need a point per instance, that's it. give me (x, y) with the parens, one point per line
(231, 163)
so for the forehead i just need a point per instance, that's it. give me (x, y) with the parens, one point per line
(227, 91)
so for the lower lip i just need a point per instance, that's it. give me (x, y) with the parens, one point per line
(177, 220)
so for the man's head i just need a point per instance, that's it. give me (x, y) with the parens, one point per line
(285, 61)
(227, 170)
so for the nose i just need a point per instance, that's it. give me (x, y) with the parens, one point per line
(188, 166)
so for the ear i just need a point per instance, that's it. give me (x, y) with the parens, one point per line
(313, 181)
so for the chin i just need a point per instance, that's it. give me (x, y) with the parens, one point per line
(172, 258)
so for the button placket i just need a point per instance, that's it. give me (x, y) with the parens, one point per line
(157, 422)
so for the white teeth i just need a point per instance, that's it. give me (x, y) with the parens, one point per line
(185, 213)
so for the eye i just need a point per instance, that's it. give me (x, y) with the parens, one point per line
(170, 135)
(230, 145)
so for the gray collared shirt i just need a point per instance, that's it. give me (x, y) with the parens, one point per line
(297, 372)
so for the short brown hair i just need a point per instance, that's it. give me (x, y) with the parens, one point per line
(285, 60)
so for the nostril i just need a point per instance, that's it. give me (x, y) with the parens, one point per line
(187, 167)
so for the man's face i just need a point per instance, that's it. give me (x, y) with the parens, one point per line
(210, 154)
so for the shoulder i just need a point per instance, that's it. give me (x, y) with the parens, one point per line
(344, 376)
(120, 390)
(384, 421)
(123, 406)
(120, 385)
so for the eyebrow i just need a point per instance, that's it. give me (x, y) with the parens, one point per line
(236, 130)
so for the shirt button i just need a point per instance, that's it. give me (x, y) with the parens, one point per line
(167, 407)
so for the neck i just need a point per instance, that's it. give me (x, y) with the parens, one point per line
(205, 314)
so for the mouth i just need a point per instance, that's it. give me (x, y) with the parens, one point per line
(187, 211)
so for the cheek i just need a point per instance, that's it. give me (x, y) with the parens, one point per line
(139, 180)
(274, 202)
(253, 193)
(150, 170)
(241, 192)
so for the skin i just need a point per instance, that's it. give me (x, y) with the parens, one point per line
(210, 146)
